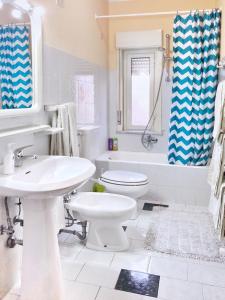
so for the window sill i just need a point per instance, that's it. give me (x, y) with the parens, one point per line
(139, 132)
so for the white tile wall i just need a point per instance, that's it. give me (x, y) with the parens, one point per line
(60, 69)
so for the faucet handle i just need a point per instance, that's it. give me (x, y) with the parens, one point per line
(20, 149)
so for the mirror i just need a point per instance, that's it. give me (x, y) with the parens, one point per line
(20, 58)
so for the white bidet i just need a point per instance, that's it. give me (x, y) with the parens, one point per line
(105, 214)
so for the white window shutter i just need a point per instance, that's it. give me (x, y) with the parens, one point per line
(139, 39)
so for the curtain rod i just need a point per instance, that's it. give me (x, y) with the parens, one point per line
(149, 14)
(16, 24)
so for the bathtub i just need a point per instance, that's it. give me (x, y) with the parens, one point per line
(169, 184)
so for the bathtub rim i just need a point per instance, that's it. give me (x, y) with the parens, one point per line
(103, 158)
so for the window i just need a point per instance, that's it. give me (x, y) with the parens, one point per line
(137, 89)
(85, 99)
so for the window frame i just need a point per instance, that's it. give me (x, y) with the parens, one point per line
(124, 103)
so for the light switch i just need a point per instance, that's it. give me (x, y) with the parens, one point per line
(60, 3)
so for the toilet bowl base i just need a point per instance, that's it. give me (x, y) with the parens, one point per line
(135, 213)
(107, 236)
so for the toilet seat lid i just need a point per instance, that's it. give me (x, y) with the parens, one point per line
(125, 177)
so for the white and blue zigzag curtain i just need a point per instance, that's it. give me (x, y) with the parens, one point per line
(15, 67)
(195, 78)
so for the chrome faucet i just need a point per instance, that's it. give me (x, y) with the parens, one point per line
(151, 139)
(20, 157)
(148, 139)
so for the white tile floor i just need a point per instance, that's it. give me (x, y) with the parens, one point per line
(92, 275)
(168, 267)
(179, 289)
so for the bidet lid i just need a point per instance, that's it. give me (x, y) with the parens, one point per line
(119, 176)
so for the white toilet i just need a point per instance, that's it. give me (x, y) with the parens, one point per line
(105, 214)
(125, 183)
(131, 184)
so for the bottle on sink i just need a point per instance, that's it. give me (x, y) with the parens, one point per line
(110, 144)
(9, 160)
(115, 144)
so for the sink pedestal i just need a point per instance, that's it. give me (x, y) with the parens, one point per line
(41, 267)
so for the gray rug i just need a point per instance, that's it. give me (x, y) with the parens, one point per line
(183, 233)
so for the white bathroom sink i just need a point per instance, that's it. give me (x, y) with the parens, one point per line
(39, 182)
(46, 175)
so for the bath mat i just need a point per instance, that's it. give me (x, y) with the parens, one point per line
(183, 233)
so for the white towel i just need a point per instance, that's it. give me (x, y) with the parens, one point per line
(220, 212)
(215, 166)
(219, 111)
(216, 178)
(65, 143)
(215, 163)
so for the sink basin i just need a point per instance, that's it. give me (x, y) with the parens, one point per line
(46, 175)
(39, 183)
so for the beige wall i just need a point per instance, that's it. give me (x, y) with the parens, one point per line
(221, 4)
(74, 29)
(144, 23)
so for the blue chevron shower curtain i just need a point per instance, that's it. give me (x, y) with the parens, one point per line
(195, 78)
(15, 67)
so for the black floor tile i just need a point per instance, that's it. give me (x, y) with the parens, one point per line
(138, 283)
(124, 228)
(150, 206)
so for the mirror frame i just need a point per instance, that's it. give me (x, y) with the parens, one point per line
(36, 39)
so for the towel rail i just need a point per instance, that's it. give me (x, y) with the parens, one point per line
(51, 108)
(54, 107)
